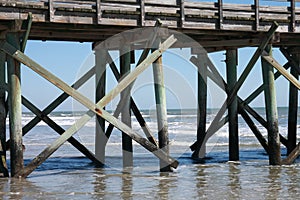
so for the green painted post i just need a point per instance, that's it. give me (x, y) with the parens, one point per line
(3, 165)
(127, 149)
(161, 109)
(15, 108)
(293, 112)
(202, 103)
(100, 72)
(231, 66)
(271, 110)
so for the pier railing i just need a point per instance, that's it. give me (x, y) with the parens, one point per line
(219, 14)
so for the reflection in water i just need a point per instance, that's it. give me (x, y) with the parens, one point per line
(293, 183)
(167, 181)
(18, 189)
(247, 180)
(201, 183)
(127, 184)
(274, 182)
(234, 180)
(99, 184)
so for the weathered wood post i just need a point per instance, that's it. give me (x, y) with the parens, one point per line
(293, 111)
(125, 57)
(15, 104)
(202, 104)
(161, 108)
(3, 115)
(100, 71)
(271, 110)
(231, 66)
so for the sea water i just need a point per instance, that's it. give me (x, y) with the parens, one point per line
(67, 174)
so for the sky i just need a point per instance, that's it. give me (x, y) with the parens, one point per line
(69, 60)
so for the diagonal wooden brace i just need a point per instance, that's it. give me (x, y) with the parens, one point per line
(282, 70)
(238, 85)
(94, 108)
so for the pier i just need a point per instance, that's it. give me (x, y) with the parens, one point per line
(214, 25)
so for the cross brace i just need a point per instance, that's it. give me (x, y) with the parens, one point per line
(94, 108)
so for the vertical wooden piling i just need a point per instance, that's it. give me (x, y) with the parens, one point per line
(231, 66)
(125, 57)
(293, 112)
(161, 109)
(100, 71)
(3, 165)
(271, 110)
(202, 103)
(15, 108)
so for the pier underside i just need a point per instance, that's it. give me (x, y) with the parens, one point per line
(182, 29)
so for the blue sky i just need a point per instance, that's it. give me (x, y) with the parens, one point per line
(68, 60)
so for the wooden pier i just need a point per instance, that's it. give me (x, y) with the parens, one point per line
(215, 26)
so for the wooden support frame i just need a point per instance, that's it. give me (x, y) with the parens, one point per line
(293, 15)
(161, 107)
(100, 82)
(127, 147)
(60, 130)
(134, 108)
(293, 113)
(3, 115)
(182, 13)
(256, 7)
(15, 107)
(220, 14)
(237, 86)
(202, 101)
(94, 108)
(99, 11)
(142, 13)
(271, 110)
(282, 70)
(243, 109)
(231, 67)
(51, 10)
(57, 101)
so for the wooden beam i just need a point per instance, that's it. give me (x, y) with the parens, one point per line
(292, 156)
(94, 108)
(293, 114)
(271, 110)
(243, 107)
(241, 80)
(182, 13)
(161, 108)
(202, 102)
(99, 11)
(220, 13)
(256, 7)
(3, 115)
(282, 70)
(15, 108)
(134, 108)
(255, 130)
(100, 83)
(231, 67)
(57, 101)
(142, 13)
(28, 28)
(60, 130)
(293, 15)
(127, 148)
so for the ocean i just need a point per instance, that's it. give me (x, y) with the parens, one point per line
(67, 174)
